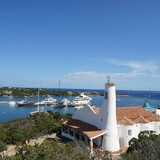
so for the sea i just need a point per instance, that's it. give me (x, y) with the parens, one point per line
(125, 98)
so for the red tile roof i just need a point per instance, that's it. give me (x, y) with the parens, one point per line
(87, 129)
(126, 121)
(141, 119)
(134, 114)
(125, 116)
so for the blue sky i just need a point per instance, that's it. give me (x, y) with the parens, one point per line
(80, 42)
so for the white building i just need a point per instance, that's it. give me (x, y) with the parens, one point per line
(110, 128)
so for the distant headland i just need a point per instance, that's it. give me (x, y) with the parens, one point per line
(29, 92)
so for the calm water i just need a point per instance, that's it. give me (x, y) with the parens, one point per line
(134, 98)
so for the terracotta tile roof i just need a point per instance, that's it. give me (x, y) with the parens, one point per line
(126, 121)
(132, 112)
(135, 114)
(141, 119)
(153, 117)
(89, 130)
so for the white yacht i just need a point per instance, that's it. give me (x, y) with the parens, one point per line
(41, 103)
(12, 103)
(48, 101)
(80, 100)
(65, 102)
(25, 103)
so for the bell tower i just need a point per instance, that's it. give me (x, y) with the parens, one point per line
(108, 118)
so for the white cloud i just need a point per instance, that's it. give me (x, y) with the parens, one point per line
(85, 75)
(139, 69)
(82, 78)
(141, 66)
(95, 76)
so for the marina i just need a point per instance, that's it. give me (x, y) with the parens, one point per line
(10, 111)
(82, 99)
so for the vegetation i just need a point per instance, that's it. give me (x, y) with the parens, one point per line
(50, 150)
(146, 147)
(18, 131)
(6, 91)
(56, 150)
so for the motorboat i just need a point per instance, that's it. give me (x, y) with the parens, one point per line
(25, 103)
(78, 107)
(12, 103)
(65, 102)
(82, 96)
(50, 100)
(41, 103)
(117, 100)
(81, 100)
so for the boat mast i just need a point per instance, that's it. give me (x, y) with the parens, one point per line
(59, 89)
(38, 99)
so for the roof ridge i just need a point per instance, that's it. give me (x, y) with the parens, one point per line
(141, 119)
(126, 121)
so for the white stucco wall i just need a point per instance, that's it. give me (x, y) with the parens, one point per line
(136, 129)
(120, 130)
(87, 115)
(133, 129)
(157, 127)
(108, 119)
(147, 126)
(157, 111)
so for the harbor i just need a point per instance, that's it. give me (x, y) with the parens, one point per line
(11, 111)
(80, 100)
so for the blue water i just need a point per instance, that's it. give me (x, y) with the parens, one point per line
(134, 98)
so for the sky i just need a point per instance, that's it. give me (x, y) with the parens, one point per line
(80, 43)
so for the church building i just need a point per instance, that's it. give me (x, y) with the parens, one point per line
(109, 127)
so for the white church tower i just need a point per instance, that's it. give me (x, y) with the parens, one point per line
(108, 119)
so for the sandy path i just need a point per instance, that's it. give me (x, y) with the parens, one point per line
(11, 148)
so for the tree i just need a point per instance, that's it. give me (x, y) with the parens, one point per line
(50, 150)
(2, 146)
(146, 147)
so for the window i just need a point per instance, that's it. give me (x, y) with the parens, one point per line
(129, 132)
(65, 129)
